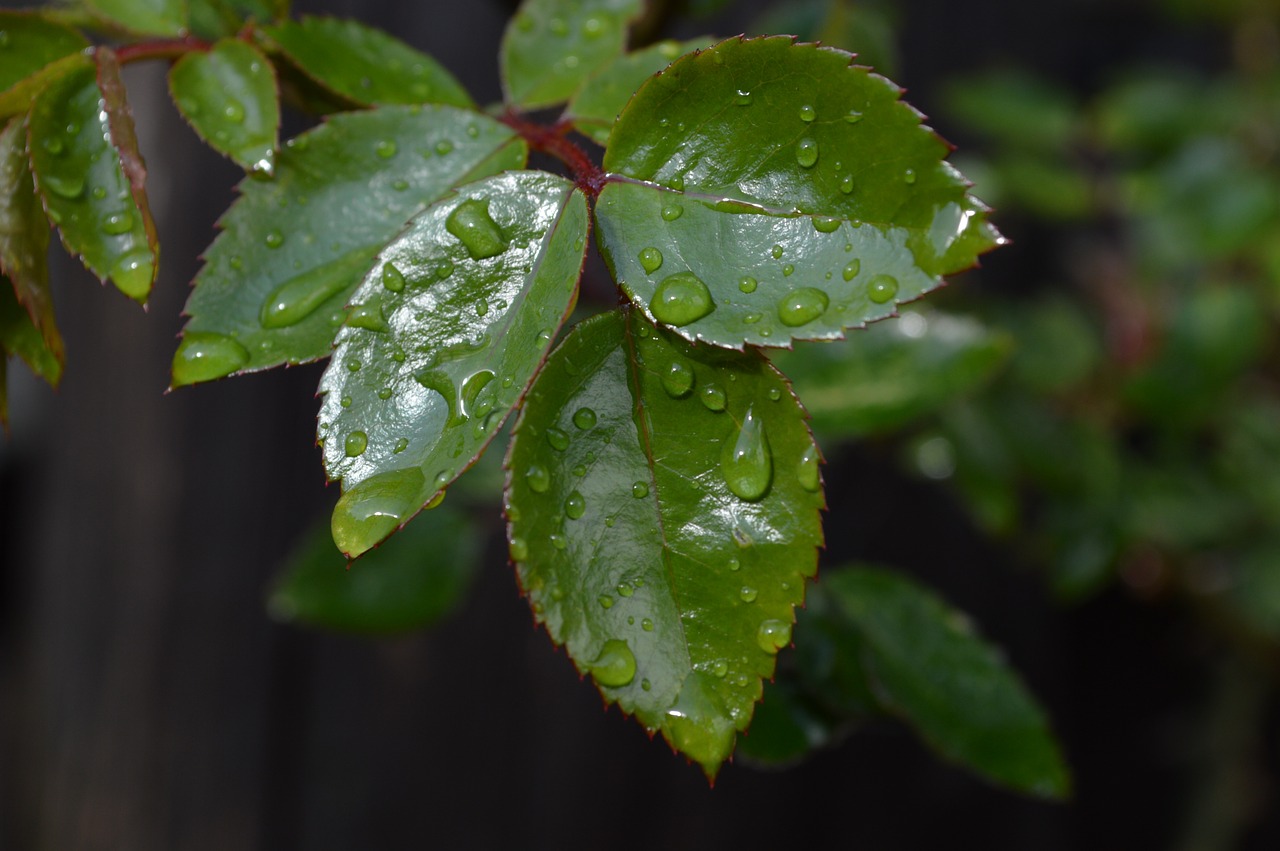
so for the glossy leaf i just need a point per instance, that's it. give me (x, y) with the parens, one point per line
(90, 174)
(552, 46)
(18, 336)
(596, 105)
(698, 465)
(930, 668)
(446, 332)
(30, 44)
(364, 64)
(24, 235)
(229, 96)
(143, 17)
(218, 18)
(893, 373)
(413, 580)
(795, 188)
(277, 278)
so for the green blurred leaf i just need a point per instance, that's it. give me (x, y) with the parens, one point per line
(143, 17)
(213, 19)
(551, 47)
(790, 196)
(30, 44)
(413, 580)
(364, 64)
(90, 175)
(786, 727)
(1057, 347)
(276, 280)
(720, 531)
(24, 235)
(1016, 109)
(447, 331)
(18, 336)
(229, 96)
(860, 27)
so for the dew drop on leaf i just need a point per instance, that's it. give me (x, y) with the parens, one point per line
(558, 439)
(355, 444)
(713, 397)
(743, 98)
(747, 461)
(851, 269)
(372, 509)
(801, 306)
(203, 356)
(807, 152)
(651, 259)
(748, 594)
(519, 549)
(615, 666)
(853, 116)
(846, 184)
(471, 223)
(584, 418)
(747, 284)
(386, 149)
(882, 288)
(233, 112)
(368, 316)
(401, 445)
(807, 470)
(680, 299)
(115, 224)
(66, 186)
(826, 224)
(538, 478)
(909, 176)
(671, 212)
(677, 380)
(773, 635)
(575, 506)
(274, 239)
(808, 113)
(640, 490)
(133, 272)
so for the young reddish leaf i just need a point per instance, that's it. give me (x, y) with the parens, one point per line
(90, 175)
(19, 336)
(229, 96)
(364, 64)
(786, 194)
(596, 105)
(663, 516)
(276, 280)
(552, 46)
(143, 17)
(30, 47)
(446, 333)
(24, 235)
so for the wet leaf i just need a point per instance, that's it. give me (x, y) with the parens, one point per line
(24, 235)
(276, 280)
(446, 332)
(18, 336)
(698, 465)
(796, 189)
(29, 46)
(364, 64)
(87, 167)
(143, 17)
(413, 580)
(219, 18)
(552, 46)
(229, 96)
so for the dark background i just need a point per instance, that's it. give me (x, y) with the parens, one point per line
(147, 701)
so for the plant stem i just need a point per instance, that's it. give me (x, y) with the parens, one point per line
(170, 48)
(553, 141)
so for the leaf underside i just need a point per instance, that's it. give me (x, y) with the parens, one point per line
(635, 543)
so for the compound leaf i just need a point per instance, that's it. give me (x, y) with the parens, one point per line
(24, 235)
(365, 65)
(552, 46)
(30, 47)
(228, 95)
(698, 465)
(787, 195)
(447, 332)
(85, 158)
(277, 278)
(143, 17)
(19, 336)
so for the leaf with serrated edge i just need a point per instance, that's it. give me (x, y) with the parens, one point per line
(293, 248)
(364, 64)
(927, 665)
(89, 174)
(793, 191)
(31, 44)
(446, 333)
(228, 95)
(143, 17)
(635, 551)
(551, 47)
(20, 337)
(24, 235)
(596, 105)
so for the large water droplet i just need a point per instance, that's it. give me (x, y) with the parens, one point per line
(368, 316)
(371, 510)
(773, 635)
(584, 418)
(713, 397)
(808, 114)
(677, 379)
(826, 224)
(538, 478)
(680, 299)
(747, 284)
(802, 306)
(640, 490)
(748, 594)
(300, 296)
(671, 212)
(471, 403)
(698, 724)
(746, 460)
(851, 269)
(66, 186)
(882, 288)
(203, 356)
(615, 666)
(471, 223)
(355, 444)
(807, 470)
(386, 149)
(133, 274)
(650, 260)
(575, 506)
(115, 224)
(807, 152)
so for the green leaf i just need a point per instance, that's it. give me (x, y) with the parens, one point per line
(552, 46)
(596, 105)
(143, 17)
(24, 235)
(29, 46)
(447, 332)
(364, 64)
(787, 195)
(229, 96)
(413, 580)
(90, 174)
(894, 373)
(219, 18)
(275, 281)
(1016, 109)
(698, 465)
(930, 668)
(786, 726)
(18, 336)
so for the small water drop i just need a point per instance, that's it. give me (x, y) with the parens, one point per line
(575, 506)
(537, 477)
(748, 594)
(300, 296)
(752, 318)
(651, 260)
(233, 112)
(471, 223)
(680, 299)
(559, 542)
(355, 444)
(720, 668)
(882, 288)
(625, 589)
(615, 666)
(647, 624)
(640, 490)
(773, 635)
(713, 397)
(743, 97)
(274, 239)
(401, 445)
(807, 470)
(909, 176)
(776, 252)
(774, 394)
(808, 114)
(801, 306)
(482, 306)
(345, 401)
(116, 224)
(851, 269)
(519, 549)
(746, 460)
(747, 284)
(846, 184)
(98, 192)
(54, 145)
(807, 152)
(671, 212)
(677, 380)
(443, 147)
(384, 393)
(584, 418)
(558, 439)
(787, 270)
(133, 273)
(733, 564)
(853, 116)
(386, 149)
(593, 27)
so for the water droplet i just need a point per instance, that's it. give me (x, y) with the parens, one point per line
(401, 445)
(353, 365)
(233, 112)
(470, 402)
(355, 444)
(776, 252)
(851, 269)
(647, 624)
(720, 669)
(752, 318)
(853, 116)
(575, 506)
(133, 273)
(204, 356)
(559, 542)
(680, 299)
(98, 192)
(558, 439)
(677, 379)
(671, 212)
(746, 460)
(773, 635)
(371, 510)
(400, 185)
(386, 149)
(558, 26)
(345, 401)
(774, 394)
(117, 223)
(593, 27)
(605, 601)
(538, 478)
(274, 239)
(787, 270)
(66, 186)
(846, 185)
(801, 306)
(808, 113)
(640, 490)
(625, 589)
(733, 564)
(747, 284)
(826, 224)
(651, 260)
(471, 223)
(713, 397)
(807, 152)
(615, 666)
(54, 145)
(368, 316)
(384, 393)
(443, 147)
(748, 594)
(909, 176)
(519, 549)
(743, 97)
(807, 470)
(584, 418)
(882, 288)
(300, 296)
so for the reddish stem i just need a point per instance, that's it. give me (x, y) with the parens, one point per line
(170, 48)
(588, 176)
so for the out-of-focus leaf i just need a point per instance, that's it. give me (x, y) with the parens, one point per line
(1253, 589)
(1015, 108)
(1057, 347)
(720, 531)
(414, 580)
(142, 17)
(24, 235)
(214, 19)
(18, 336)
(30, 45)
(1176, 505)
(229, 96)
(860, 27)
(786, 727)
